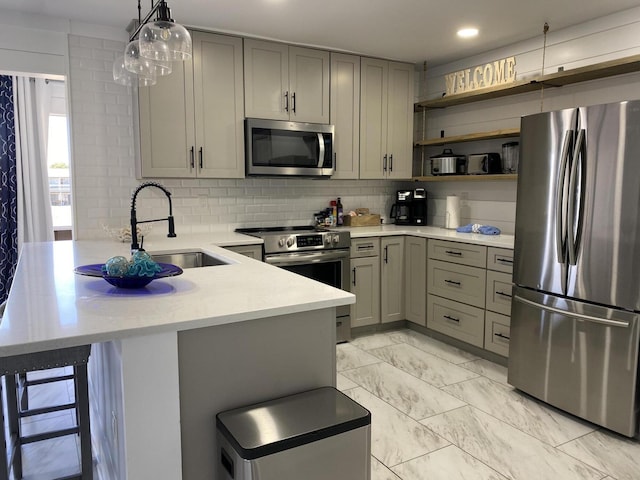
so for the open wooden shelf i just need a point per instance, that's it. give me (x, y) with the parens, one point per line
(575, 75)
(467, 178)
(470, 137)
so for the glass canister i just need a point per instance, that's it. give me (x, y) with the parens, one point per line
(510, 157)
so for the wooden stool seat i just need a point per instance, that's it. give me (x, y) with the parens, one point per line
(14, 370)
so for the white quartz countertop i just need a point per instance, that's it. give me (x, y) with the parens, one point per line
(500, 241)
(51, 307)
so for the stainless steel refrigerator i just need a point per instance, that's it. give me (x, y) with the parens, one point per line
(576, 297)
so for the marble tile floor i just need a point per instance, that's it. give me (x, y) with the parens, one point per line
(439, 413)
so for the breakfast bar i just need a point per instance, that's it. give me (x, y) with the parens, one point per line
(166, 358)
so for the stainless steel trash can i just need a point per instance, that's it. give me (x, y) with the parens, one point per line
(321, 434)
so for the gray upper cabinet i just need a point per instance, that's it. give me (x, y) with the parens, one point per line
(283, 82)
(345, 114)
(191, 121)
(386, 119)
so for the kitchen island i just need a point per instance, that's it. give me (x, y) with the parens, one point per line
(165, 359)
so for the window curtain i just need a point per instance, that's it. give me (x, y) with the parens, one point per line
(8, 188)
(32, 125)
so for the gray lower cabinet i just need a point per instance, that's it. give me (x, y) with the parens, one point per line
(456, 283)
(498, 300)
(365, 281)
(251, 251)
(456, 319)
(415, 283)
(392, 279)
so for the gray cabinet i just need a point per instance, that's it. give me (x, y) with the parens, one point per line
(499, 285)
(415, 271)
(191, 122)
(392, 279)
(345, 114)
(456, 299)
(284, 82)
(386, 119)
(251, 251)
(365, 281)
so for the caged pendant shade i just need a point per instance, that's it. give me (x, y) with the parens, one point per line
(164, 40)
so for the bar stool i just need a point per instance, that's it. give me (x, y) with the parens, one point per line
(11, 368)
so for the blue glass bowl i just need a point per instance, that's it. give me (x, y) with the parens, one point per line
(95, 270)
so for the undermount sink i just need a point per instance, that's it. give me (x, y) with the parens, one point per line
(188, 259)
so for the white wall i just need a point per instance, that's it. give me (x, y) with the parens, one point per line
(611, 37)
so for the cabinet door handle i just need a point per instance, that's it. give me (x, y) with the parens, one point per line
(386, 254)
(453, 319)
(391, 162)
(452, 282)
(505, 260)
(293, 102)
(286, 101)
(200, 161)
(384, 163)
(354, 276)
(369, 246)
(451, 252)
(502, 336)
(193, 161)
(503, 294)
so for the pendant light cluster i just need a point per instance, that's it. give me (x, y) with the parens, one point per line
(152, 48)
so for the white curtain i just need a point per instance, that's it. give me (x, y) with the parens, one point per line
(32, 125)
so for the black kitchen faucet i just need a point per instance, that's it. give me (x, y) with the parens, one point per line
(135, 222)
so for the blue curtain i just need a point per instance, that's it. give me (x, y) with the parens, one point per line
(8, 188)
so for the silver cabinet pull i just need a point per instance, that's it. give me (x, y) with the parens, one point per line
(451, 252)
(501, 335)
(503, 294)
(453, 319)
(452, 282)
(391, 162)
(505, 260)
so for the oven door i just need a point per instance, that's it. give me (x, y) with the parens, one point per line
(328, 266)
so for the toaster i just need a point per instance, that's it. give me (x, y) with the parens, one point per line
(484, 163)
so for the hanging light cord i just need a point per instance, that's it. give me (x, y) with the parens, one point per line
(545, 29)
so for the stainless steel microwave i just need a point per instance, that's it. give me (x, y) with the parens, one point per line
(283, 148)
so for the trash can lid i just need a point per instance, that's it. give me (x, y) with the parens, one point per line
(288, 422)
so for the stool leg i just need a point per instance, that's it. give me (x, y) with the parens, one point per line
(24, 392)
(82, 405)
(14, 424)
(4, 468)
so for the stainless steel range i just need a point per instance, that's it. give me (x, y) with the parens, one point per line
(317, 253)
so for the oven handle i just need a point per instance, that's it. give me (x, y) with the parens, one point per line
(301, 258)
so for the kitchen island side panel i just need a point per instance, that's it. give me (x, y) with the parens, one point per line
(239, 364)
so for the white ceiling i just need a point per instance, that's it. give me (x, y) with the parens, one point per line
(408, 30)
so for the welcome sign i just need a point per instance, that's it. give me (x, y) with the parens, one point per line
(499, 72)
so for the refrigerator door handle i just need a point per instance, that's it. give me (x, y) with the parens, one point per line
(567, 313)
(575, 188)
(561, 227)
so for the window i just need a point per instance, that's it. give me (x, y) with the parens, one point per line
(58, 165)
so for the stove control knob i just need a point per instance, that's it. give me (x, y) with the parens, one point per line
(281, 242)
(327, 239)
(291, 242)
(336, 238)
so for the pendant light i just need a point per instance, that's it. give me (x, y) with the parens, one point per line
(122, 76)
(152, 47)
(165, 40)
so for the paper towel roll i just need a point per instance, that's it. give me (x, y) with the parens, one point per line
(452, 212)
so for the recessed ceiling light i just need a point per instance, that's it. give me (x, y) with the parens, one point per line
(467, 32)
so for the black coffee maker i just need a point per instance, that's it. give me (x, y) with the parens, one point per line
(419, 207)
(401, 209)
